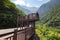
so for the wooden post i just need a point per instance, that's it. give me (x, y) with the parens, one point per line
(34, 27)
(15, 34)
(33, 30)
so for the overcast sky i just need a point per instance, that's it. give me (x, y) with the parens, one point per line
(30, 3)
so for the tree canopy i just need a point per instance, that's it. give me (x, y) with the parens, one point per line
(8, 14)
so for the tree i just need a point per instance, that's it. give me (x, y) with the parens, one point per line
(8, 14)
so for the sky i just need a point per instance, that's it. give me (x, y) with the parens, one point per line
(30, 3)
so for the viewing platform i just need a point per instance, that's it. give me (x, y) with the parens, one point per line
(25, 28)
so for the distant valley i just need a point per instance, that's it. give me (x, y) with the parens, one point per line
(28, 10)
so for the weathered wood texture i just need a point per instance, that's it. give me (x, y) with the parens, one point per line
(23, 34)
(28, 28)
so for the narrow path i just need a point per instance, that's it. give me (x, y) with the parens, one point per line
(4, 31)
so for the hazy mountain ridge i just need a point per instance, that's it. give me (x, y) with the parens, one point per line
(28, 10)
(48, 6)
(24, 9)
(33, 9)
(50, 13)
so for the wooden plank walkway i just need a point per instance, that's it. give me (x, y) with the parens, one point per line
(22, 33)
(25, 32)
(4, 31)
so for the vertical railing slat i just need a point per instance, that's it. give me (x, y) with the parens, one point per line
(23, 34)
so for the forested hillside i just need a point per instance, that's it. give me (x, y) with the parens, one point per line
(8, 14)
(49, 25)
(51, 13)
(52, 18)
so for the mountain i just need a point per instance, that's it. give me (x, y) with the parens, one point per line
(32, 9)
(24, 9)
(28, 10)
(48, 6)
(50, 13)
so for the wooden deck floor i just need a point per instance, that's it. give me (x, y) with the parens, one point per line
(4, 31)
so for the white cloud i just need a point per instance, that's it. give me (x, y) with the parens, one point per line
(20, 2)
(28, 5)
(23, 3)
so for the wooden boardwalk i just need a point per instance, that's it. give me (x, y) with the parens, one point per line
(22, 33)
(4, 31)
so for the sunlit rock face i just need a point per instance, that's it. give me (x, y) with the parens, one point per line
(45, 8)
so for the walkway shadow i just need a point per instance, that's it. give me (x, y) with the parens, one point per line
(35, 37)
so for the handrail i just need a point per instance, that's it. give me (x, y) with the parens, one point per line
(23, 31)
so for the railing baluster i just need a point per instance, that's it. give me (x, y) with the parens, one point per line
(24, 33)
(11, 38)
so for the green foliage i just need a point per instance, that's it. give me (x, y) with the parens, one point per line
(8, 14)
(52, 18)
(49, 26)
(47, 33)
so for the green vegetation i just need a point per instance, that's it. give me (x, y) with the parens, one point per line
(8, 14)
(47, 33)
(52, 18)
(49, 27)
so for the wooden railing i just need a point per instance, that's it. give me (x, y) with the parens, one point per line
(21, 34)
